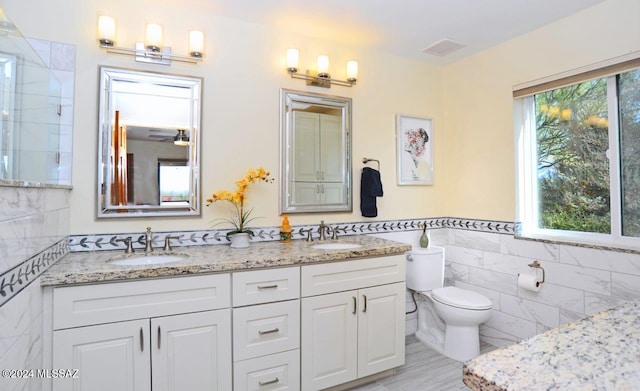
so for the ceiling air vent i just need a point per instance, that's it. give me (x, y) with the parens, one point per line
(443, 47)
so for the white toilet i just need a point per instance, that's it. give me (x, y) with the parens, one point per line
(449, 317)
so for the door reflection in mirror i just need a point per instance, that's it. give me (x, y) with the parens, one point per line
(315, 153)
(145, 168)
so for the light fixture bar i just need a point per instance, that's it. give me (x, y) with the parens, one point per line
(318, 81)
(142, 54)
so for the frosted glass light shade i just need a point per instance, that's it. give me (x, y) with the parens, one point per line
(196, 43)
(106, 30)
(293, 57)
(323, 65)
(352, 70)
(153, 39)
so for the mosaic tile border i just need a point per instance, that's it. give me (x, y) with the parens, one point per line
(19, 277)
(102, 242)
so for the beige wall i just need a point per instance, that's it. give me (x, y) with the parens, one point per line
(244, 70)
(470, 102)
(480, 166)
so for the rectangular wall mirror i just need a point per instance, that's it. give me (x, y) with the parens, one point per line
(148, 157)
(315, 153)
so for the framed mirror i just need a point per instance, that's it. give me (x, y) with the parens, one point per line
(315, 153)
(148, 147)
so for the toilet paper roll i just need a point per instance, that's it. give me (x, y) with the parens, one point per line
(529, 282)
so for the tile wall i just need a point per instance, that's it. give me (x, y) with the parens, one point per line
(34, 226)
(34, 230)
(580, 281)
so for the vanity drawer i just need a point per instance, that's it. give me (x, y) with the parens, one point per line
(266, 286)
(343, 276)
(279, 371)
(82, 305)
(265, 329)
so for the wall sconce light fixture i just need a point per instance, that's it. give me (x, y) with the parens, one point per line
(181, 138)
(151, 51)
(321, 78)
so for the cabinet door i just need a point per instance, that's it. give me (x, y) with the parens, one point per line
(306, 141)
(332, 193)
(305, 193)
(329, 340)
(108, 357)
(192, 351)
(381, 328)
(332, 149)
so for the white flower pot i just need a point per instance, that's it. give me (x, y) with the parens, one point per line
(239, 240)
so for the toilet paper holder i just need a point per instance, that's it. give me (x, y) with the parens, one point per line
(536, 265)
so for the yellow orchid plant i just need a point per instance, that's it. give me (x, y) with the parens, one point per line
(238, 197)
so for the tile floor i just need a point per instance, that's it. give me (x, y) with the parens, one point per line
(424, 370)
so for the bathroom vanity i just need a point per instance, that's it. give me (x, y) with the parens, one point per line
(274, 315)
(601, 352)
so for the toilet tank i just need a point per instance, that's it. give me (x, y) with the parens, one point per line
(425, 268)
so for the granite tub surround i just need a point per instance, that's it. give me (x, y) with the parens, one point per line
(601, 352)
(83, 267)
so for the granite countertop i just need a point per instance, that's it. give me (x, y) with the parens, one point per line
(601, 352)
(90, 267)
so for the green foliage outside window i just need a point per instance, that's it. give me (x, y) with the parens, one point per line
(573, 170)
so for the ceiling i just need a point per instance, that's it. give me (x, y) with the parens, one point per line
(401, 27)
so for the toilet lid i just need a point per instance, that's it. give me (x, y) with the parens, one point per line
(461, 298)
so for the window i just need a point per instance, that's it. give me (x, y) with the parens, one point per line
(579, 160)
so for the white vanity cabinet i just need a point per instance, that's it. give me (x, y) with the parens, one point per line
(266, 329)
(352, 320)
(164, 334)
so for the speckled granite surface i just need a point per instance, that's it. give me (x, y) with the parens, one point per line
(88, 267)
(601, 352)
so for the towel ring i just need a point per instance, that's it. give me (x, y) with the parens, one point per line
(366, 160)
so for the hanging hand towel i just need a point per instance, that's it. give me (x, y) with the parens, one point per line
(370, 188)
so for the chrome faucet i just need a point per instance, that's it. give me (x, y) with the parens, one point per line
(148, 246)
(323, 229)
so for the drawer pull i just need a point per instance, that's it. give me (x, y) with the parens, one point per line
(141, 340)
(269, 331)
(266, 383)
(274, 286)
(158, 336)
(364, 309)
(355, 305)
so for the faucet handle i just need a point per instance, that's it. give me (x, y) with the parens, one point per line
(308, 231)
(334, 233)
(167, 242)
(128, 242)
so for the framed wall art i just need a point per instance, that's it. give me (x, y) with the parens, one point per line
(414, 138)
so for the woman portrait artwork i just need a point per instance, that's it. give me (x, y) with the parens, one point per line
(414, 146)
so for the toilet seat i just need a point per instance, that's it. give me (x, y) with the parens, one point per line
(461, 298)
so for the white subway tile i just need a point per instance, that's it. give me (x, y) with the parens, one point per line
(625, 286)
(556, 295)
(488, 279)
(586, 279)
(601, 259)
(464, 256)
(503, 263)
(496, 337)
(477, 240)
(595, 303)
(544, 314)
(511, 325)
(528, 248)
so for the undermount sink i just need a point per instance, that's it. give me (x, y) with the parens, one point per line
(148, 260)
(336, 246)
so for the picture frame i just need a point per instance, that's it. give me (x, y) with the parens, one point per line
(414, 150)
